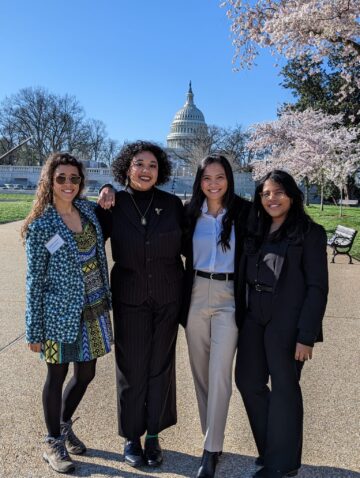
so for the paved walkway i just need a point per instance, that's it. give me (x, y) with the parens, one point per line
(330, 385)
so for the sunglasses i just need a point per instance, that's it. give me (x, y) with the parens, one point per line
(61, 179)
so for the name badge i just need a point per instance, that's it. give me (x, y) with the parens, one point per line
(54, 244)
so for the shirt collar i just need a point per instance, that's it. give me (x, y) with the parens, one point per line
(204, 209)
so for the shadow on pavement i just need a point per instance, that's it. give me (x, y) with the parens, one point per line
(326, 472)
(177, 463)
(180, 464)
(241, 466)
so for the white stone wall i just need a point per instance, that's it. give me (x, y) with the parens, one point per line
(29, 175)
(95, 177)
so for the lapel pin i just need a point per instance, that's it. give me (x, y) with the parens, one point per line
(158, 211)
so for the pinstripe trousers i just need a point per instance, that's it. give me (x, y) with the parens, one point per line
(212, 334)
(145, 340)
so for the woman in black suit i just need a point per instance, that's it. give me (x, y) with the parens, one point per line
(144, 226)
(285, 279)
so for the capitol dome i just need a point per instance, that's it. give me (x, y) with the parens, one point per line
(188, 123)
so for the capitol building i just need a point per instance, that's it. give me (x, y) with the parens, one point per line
(187, 126)
(188, 122)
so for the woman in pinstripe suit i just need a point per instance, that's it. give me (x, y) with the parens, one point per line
(144, 226)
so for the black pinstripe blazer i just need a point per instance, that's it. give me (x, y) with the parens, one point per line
(147, 260)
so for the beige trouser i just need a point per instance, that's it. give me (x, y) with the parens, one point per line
(212, 334)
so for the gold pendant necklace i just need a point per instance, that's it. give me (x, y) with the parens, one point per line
(142, 216)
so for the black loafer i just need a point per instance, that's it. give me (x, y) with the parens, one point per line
(270, 473)
(208, 464)
(152, 452)
(133, 453)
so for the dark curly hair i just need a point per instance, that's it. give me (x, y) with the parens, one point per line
(197, 199)
(121, 164)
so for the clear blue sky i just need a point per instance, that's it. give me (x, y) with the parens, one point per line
(129, 62)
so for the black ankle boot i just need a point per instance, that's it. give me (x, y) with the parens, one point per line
(208, 464)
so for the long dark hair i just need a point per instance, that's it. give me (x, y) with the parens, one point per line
(198, 197)
(296, 224)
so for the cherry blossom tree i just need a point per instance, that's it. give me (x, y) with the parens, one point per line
(296, 29)
(345, 160)
(312, 146)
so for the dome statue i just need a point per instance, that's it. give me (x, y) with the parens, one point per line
(188, 123)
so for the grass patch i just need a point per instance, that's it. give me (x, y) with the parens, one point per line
(329, 219)
(14, 207)
(17, 197)
(14, 211)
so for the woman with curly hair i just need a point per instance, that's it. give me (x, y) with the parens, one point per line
(285, 276)
(144, 227)
(67, 298)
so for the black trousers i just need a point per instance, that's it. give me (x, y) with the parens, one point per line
(276, 416)
(145, 340)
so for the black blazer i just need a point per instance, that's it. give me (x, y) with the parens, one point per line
(300, 291)
(147, 260)
(242, 208)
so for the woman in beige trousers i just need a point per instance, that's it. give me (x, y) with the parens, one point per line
(214, 228)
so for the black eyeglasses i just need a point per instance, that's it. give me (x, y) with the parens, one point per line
(61, 179)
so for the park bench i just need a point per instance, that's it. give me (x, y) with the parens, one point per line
(342, 241)
(348, 202)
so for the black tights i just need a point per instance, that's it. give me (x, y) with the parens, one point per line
(58, 406)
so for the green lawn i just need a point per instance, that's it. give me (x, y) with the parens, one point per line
(14, 207)
(13, 211)
(19, 197)
(329, 219)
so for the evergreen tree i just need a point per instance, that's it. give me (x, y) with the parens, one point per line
(318, 86)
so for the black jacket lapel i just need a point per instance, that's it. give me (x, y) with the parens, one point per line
(280, 262)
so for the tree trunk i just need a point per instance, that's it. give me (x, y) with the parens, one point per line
(341, 199)
(307, 192)
(322, 196)
(347, 190)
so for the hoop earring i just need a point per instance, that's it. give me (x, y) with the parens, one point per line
(127, 181)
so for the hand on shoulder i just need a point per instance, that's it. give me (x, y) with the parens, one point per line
(106, 197)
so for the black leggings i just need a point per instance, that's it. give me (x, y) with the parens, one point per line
(59, 407)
